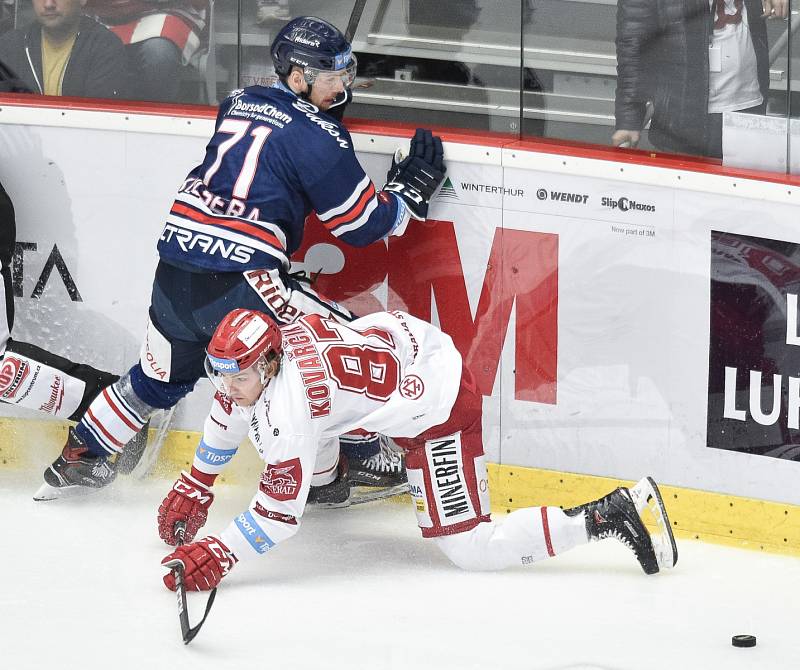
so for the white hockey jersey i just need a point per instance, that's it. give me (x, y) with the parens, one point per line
(387, 372)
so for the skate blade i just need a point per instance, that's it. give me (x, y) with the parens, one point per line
(47, 492)
(365, 495)
(646, 496)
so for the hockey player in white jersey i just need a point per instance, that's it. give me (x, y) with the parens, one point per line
(294, 389)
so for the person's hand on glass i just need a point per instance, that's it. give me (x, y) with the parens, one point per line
(625, 139)
(775, 9)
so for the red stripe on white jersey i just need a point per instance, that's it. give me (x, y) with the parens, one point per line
(546, 528)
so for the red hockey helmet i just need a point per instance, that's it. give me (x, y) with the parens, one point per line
(243, 338)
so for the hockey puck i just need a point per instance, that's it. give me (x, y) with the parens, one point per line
(743, 640)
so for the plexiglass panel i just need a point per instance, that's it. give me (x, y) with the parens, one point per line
(707, 78)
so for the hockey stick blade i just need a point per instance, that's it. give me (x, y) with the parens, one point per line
(187, 632)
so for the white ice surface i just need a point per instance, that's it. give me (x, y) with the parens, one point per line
(358, 588)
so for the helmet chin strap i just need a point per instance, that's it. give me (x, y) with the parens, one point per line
(336, 110)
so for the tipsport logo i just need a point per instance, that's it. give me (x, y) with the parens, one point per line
(223, 365)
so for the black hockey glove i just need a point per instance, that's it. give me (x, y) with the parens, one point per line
(416, 177)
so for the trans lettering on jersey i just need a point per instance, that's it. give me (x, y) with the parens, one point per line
(447, 478)
(299, 348)
(189, 241)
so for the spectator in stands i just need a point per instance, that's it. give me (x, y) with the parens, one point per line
(64, 52)
(690, 62)
(161, 37)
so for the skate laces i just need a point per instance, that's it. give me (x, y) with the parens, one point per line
(101, 469)
(620, 537)
(387, 460)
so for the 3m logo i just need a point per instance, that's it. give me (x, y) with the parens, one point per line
(282, 481)
(12, 373)
(412, 387)
(520, 279)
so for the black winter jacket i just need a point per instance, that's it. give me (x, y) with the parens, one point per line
(662, 56)
(97, 66)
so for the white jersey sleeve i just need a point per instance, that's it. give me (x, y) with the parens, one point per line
(224, 430)
(274, 512)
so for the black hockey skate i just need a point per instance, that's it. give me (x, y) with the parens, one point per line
(383, 469)
(619, 515)
(335, 494)
(379, 476)
(75, 472)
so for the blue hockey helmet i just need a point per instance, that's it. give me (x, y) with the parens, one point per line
(315, 46)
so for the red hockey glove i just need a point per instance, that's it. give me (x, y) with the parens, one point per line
(188, 501)
(205, 563)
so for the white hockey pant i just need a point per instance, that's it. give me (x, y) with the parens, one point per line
(523, 537)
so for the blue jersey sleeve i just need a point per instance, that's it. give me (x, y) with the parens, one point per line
(347, 202)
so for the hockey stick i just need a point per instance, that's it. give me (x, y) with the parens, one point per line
(355, 18)
(187, 631)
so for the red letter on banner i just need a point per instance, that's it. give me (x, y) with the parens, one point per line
(425, 262)
(364, 269)
(522, 269)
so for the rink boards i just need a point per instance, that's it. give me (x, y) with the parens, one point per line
(622, 316)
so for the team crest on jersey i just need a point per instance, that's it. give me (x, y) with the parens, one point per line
(411, 387)
(282, 481)
(12, 373)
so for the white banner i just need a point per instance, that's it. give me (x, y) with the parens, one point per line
(581, 303)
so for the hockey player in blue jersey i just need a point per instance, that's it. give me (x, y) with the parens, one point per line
(278, 153)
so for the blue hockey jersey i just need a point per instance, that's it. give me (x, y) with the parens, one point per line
(272, 160)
